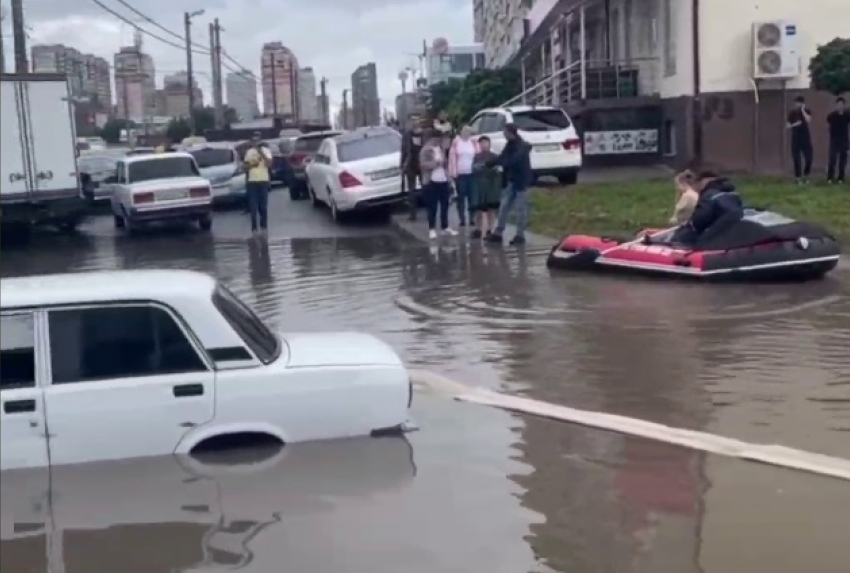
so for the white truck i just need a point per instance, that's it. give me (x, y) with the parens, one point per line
(39, 180)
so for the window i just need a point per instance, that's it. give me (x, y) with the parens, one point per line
(162, 168)
(463, 63)
(541, 120)
(490, 123)
(368, 147)
(476, 124)
(669, 39)
(105, 343)
(480, 63)
(309, 144)
(247, 325)
(668, 141)
(17, 351)
(213, 157)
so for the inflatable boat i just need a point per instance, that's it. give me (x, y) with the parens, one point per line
(762, 246)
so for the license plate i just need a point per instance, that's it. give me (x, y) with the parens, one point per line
(385, 174)
(547, 147)
(172, 194)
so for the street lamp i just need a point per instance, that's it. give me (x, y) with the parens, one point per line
(190, 80)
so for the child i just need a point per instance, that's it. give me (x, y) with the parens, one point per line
(686, 198)
(486, 190)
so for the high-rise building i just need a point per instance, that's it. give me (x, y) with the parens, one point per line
(324, 106)
(308, 110)
(456, 63)
(135, 84)
(500, 27)
(88, 75)
(241, 90)
(280, 81)
(176, 91)
(365, 103)
(407, 107)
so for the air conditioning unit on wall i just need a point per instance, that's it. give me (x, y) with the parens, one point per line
(775, 46)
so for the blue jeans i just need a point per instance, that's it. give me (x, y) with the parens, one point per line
(463, 185)
(258, 203)
(513, 198)
(437, 195)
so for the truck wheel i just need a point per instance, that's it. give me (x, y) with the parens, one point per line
(205, 223)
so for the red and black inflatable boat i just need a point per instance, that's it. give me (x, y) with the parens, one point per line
(762, 246)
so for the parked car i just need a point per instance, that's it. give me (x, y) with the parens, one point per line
(98, 166)
(155, 188)
(125, 364)
(221, 165)
(556, 147)
(357, 171)
(303, 149)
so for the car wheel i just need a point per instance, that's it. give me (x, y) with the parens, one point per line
(314, 201)
(205, 223)
(293, 192)
(568, 178)
(119, 221)
(335, 213)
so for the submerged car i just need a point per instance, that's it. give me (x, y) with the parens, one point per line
(761, 246)
(122, 364)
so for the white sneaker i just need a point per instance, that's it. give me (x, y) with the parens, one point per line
(450, 232)
(432, 234)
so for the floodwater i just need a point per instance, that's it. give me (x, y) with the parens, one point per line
(476, 489)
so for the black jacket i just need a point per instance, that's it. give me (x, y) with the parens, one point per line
(515, 159)
(719, 200)
(410, 150)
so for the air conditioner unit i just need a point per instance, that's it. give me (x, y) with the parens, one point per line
(775, 46)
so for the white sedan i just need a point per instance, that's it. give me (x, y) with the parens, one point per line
(357, 171)
(122, 364)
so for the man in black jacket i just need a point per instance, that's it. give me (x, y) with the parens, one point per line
(515, 160)
(839, 141)
(718, 207)
(799, 119)
(411, 145)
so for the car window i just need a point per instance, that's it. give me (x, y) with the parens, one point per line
(489, 123)
(120, 172)
(368, 147)
(96, 164)
(162, 168)
(213, 156)
(476, 124)
(309, 144)
(17, 351)
(253, 332)
(541, 120)
(88, 344)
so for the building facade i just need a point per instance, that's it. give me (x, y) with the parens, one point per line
(499, 27)
(176, 91)
(365, 103)
(630, 70)
(407, 107)
(323, 104)
(241, 88)
(457, 63)
(308, 108)
(135, 84)
(88, 75)
(280, 81)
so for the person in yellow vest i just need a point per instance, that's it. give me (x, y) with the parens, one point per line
(258, 161)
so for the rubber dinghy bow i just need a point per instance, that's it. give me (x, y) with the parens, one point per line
(589, 256)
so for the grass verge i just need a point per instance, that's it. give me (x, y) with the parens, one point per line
(626, 207)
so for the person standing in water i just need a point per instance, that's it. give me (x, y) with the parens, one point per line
(258, 161)
(461, 158)
(435, 186)
(486, 190)
(411, 146)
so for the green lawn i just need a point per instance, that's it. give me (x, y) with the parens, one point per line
(626, 207)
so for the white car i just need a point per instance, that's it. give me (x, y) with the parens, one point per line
(161, 187)
(123, 364)
(556, 147)
(357, 171)
(220, 164)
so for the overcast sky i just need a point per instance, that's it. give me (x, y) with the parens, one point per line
(332, 36)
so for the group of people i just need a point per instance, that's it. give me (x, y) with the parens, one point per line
(487, 187)
(802, 152)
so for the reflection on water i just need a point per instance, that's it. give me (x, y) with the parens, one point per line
(761, 363)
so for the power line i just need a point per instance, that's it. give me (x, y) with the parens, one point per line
(150, 20)
(142, 30)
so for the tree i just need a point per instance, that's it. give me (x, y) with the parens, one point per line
(830, 68)
(111, 131)
(480, 89)
(443, 94)
(178, 129)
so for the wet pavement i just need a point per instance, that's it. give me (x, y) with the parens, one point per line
(475, 489)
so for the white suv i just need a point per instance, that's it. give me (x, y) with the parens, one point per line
(556, 147)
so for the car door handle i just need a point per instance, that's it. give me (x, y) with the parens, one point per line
(186, 390)
(19, 406)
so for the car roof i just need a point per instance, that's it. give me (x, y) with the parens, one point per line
(520, 109)
(156, 156)
(363, 133)
(317, 134)
(210, 145)
(103, 286)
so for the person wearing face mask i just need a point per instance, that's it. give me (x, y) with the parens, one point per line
(411, 146)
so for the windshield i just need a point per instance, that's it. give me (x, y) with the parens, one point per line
(541, 120)
(309, 144)
(253, 332)
(368, 147)
(161, 168)
(213, 157)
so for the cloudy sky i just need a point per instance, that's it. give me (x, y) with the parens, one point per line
(332, 36)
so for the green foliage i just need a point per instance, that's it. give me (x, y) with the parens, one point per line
(462, 99)
(111, 131)
(179, 128)
(443, 94)
(830, 68)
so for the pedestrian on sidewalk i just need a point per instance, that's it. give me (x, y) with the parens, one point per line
(435, 185)
(486, 190)
(446, 131)
(258, 162)
(411, 146)
(461, 157)
(799, 119)
(839, 141)
(515, 160)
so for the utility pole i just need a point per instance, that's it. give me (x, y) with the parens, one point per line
(323, 85)
(190, 76)
(345, 109)
(215, 54)
(19, 36)
(2, 41)
(274, 84)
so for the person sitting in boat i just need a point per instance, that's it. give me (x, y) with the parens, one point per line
(718, 207)
(686, 197)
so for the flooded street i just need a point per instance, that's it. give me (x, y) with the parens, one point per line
(476, 489)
